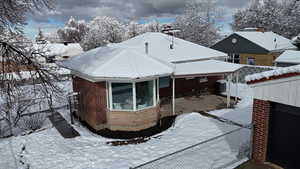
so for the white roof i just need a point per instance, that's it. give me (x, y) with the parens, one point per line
(59, 49)
(289, 56)
(159, 47)
(205, 68)
(272, 73)
(268, 40)
(107, 63)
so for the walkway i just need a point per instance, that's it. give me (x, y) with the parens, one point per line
(62, 126)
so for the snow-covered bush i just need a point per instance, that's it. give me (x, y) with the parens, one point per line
(197, 23)
(33, 122)
(102, 30)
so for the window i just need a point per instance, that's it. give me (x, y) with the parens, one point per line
(164, 82)
(251, 61)
(144, 94)
(122, 96)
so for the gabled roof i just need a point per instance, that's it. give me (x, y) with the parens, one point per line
(159, 47)
(107, 63)
(207, 67)
(273, 74)
(268, 40)
(289, 56)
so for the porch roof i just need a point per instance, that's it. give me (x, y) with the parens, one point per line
(205, 68)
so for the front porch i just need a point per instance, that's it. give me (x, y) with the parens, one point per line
(190, 104)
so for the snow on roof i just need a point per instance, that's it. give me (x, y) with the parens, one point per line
(159, 47)
(289, 56)
(268, 40)
(205, 68)
(59, 49)
(273, 73)
(115, 62)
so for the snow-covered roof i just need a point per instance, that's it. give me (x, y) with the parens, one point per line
(159, 47)
(273, 73)
(289, 56)
(59, 49)
(268, 40)
(205, 68)
(108, 63)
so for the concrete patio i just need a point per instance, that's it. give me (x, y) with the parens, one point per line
(194, 104)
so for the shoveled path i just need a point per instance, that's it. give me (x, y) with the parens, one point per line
(62, 126)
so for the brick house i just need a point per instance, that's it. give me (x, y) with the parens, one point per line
(254, 47)
(121, 86)
(276, 116)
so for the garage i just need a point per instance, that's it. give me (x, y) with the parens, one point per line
(284, 136)
(276, 117)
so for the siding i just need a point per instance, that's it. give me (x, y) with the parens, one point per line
(260, 59)
(92, 101)
(242, 46)
(285, 91)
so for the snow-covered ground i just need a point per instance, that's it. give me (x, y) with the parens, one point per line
(47, 149)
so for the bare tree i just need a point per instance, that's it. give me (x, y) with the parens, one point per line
(282, 17)
(18, 59)
(197, 23)
(103, 30)
(74, 31)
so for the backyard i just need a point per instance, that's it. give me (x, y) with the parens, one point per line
(46, 147)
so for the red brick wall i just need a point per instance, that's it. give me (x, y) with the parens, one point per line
(92, 101)
(260, 119)
(185, 86)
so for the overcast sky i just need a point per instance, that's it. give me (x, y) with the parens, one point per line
(125, 10)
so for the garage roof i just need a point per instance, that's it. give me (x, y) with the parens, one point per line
(289, 56)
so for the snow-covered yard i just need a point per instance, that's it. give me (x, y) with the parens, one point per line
(48, 149)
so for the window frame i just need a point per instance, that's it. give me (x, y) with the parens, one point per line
(154, 90)
(251, 58)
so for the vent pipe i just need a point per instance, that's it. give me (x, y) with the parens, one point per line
(147, 48)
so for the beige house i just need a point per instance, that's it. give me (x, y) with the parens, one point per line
(254, 47)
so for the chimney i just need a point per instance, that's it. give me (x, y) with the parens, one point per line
(261, 29)
(147, 48)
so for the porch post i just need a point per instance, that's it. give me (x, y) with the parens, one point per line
(173, 95)
(157, 88)
(229, 77)
(134, 96)
(236, 86)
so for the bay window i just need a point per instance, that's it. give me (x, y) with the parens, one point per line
(122, 96)
(132, 96)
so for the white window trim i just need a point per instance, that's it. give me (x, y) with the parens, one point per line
(134, 95)
(155, 100)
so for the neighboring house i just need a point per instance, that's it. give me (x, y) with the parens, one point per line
(254, 47)
(288, 58)
(121, 86)
(58, 51)
(276, 116)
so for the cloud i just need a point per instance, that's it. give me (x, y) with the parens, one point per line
(125, 10)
